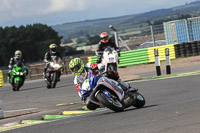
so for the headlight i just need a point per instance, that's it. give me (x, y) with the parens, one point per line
(56, 66)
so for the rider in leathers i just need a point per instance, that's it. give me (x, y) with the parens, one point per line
(80, 71)
(15, 60)
(48, 57)
(104, 43)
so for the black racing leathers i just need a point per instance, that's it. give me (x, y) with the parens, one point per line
(102, 46)
(47, 58)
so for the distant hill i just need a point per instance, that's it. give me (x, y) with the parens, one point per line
(98, 25)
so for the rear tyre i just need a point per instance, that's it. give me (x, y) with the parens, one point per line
(111, 103)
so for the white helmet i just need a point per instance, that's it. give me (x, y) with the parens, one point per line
(18, 54)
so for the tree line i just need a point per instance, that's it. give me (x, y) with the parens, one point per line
(32, 40)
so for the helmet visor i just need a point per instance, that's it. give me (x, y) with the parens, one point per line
(18, 56)
(76, 68)
(53, 49)
(105, 38)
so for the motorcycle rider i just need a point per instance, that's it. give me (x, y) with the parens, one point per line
(15, 60)
(81, 73)
(104, 43)
(48, 57)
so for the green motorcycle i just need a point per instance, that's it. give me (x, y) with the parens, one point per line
(18, 74)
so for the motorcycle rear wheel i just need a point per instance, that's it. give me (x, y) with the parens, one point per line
(110, 103)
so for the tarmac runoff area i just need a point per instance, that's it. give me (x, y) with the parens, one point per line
(81, 111)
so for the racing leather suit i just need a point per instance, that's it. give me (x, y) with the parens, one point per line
(78, 80)
(101, 47)
(47, 58)
(13, 61)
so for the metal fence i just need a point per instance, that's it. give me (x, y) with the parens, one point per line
(184, 30)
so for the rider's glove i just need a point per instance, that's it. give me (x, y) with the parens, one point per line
(101, 66)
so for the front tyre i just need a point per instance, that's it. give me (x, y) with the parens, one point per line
(17, 86)
(54, 80)
(139, 100)
(111, 103)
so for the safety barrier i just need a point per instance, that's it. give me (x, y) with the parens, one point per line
(1, 79)
(187, 49)
(1, 111)
(161, 52)
(141, 56)
(134, 57)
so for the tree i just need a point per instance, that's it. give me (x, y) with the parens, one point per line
(32, 40)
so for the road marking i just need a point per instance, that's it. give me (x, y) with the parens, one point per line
(19, 125)
(164, 77)
(74, 112)
(41, 122)
(19, 110)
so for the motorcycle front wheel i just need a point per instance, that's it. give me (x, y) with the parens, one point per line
(17, 86)
(139, 100)
(54, 80)
(111, 103)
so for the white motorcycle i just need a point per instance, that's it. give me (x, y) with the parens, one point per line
(109, 59)
(53, 72)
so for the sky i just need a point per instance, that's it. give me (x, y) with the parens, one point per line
(54, 12)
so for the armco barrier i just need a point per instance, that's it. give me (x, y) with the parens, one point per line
(141, 56)
(133, 57)
(161, 52)
(1, 79)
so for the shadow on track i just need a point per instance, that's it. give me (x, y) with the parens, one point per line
(26, 89)
(132, 108)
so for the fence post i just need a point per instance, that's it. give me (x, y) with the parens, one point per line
(168, 63)
(115, 34)
(157, 62)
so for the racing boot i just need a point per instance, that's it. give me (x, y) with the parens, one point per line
(44, 73)
(126, 87)
(8, 76)
(130, 89)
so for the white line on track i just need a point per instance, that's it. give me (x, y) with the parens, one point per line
(19, 110)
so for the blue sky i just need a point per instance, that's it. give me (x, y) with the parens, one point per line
(52, 12)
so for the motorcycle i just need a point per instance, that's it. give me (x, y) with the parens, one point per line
(17, 77)
(53, 72)
(100, 91)
(109, 59)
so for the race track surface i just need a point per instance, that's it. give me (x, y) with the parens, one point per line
(172, 106)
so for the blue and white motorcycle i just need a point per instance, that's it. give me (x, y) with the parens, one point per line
(100, 91)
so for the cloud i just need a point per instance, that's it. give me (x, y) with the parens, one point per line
(57, 11)
(19, 8)
(66, 5)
